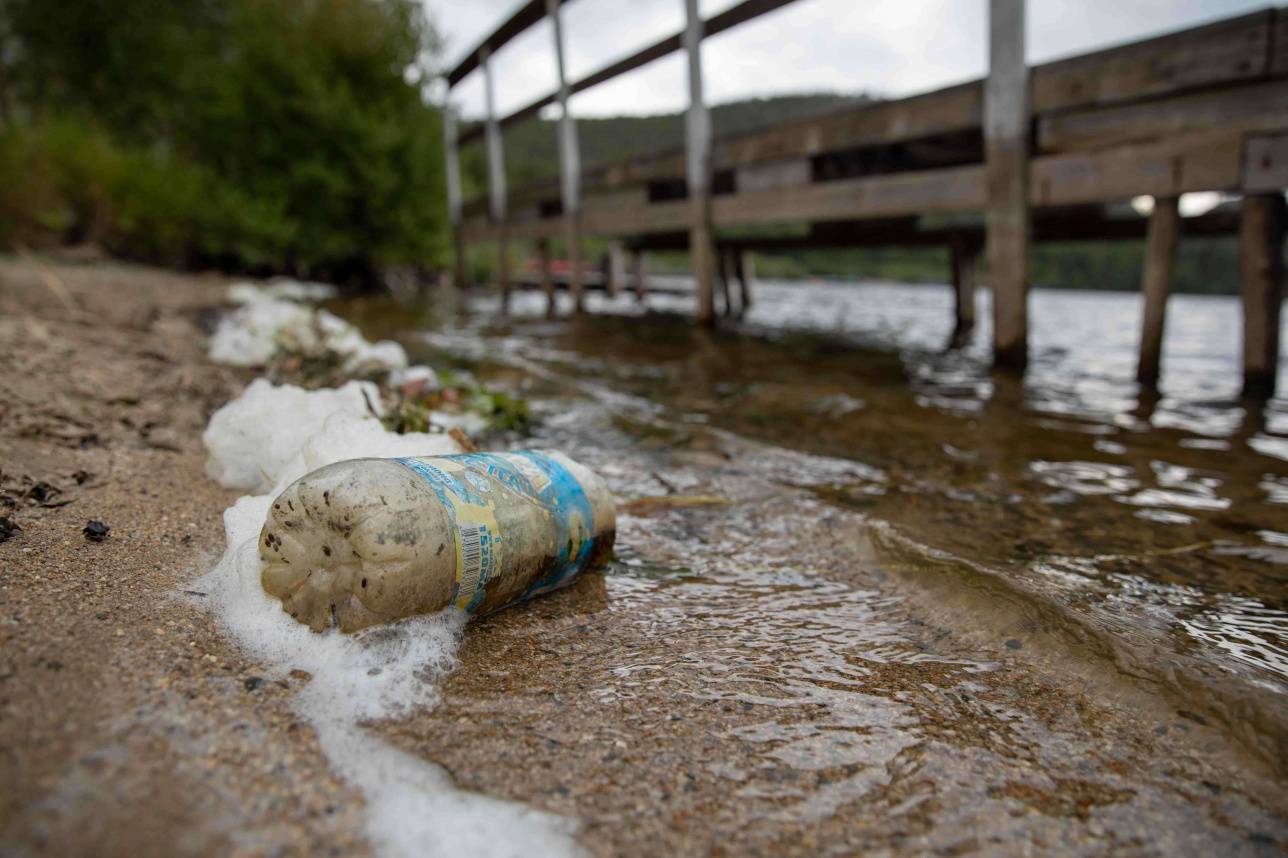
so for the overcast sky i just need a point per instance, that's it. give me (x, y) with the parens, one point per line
(889, 47)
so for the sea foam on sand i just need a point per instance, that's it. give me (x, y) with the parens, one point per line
(268, 317)
(263, 441)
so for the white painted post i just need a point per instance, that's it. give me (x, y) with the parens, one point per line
(1006, 147)
(569, 166)
(452, 168)
(697, 128)
(496, 176)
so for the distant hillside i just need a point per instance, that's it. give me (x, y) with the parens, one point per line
(531, 150)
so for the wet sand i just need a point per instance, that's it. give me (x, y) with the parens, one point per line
(754, 677)
(128, 724)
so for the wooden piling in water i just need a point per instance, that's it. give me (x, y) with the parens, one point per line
(547, 279)
(697, 138)
(724, 271)
(615, 269)
(1156, 284)
(1006, 152)
(639, 268)
(1261, 268)
(964, 259)
(746, 273)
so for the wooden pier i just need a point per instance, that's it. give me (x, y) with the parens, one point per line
(985, 168)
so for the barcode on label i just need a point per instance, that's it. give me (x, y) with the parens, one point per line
(471, 558)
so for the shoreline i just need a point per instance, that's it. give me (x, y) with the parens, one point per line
(611, 703)
(119, 694)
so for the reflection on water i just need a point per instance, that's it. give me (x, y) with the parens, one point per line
(1163, 513)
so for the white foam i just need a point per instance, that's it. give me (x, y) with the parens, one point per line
(249, 335)
(418, 374)
(278, 434)
(282, 287)
(271, 317)
(252, 439)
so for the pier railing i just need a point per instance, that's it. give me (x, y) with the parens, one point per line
(1028, 154)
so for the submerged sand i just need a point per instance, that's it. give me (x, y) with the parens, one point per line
(758, 676)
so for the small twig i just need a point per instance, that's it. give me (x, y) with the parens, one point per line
(458, 435)
(367, 399)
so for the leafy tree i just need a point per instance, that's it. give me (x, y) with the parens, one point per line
(265, 134)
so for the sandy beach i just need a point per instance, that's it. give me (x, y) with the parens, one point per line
(740, 681)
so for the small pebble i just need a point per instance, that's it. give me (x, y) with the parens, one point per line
(96, 531)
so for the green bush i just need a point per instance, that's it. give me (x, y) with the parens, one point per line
(249, 134)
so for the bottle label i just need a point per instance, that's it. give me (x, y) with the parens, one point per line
(473, 485)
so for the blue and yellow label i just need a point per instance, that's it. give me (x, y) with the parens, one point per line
(545, 507)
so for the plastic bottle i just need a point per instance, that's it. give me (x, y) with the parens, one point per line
(370, 541)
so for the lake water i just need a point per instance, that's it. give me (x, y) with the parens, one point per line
(1152, 528)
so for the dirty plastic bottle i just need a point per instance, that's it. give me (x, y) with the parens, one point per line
(370, 541)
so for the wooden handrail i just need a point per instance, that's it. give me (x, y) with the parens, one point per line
(728, 19)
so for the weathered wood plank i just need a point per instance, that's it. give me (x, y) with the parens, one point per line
(1279, 44)
(1261, 243)
(952, 189)
(1265, 163)
(659, 217)
(952, 109)
(1196, 162)
(1006, 217)
(479, 229)
(610, 200)
(1222, 52)
(1156, 285)
(769, 175)
(1259, 107)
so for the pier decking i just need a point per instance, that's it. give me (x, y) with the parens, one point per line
(984, 168)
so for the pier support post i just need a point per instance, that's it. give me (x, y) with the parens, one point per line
(1006, 147)
(697, 128)
(496, 179)
(639, 268)
(547, 279)
(1156, 284)
(615, 269)
(746, 273)
(724, 272)
(569, 167)
(1261, 268)
(452, 171)
(964, 257)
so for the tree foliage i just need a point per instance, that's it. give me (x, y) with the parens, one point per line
(263, 134)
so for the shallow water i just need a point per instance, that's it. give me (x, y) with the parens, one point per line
(1154, 527)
